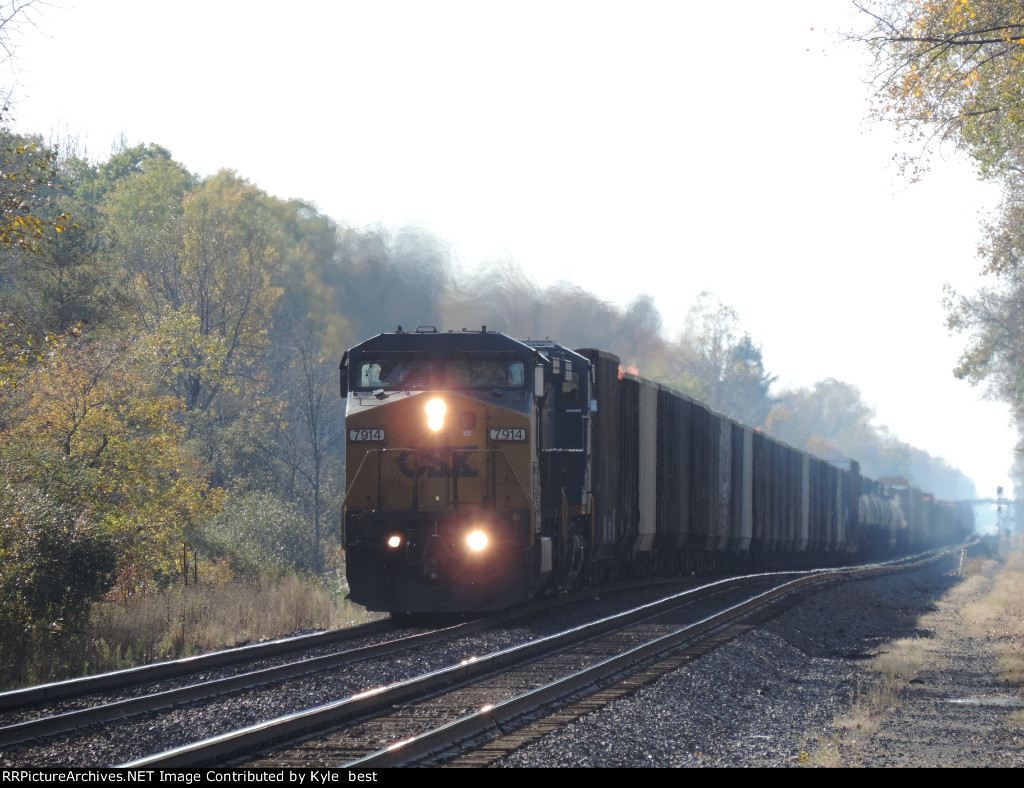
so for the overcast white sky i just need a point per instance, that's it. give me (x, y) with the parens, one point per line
(663, 146)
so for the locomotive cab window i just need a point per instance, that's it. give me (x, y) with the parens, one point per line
(395, 374)
(477, 373)
(369, 377)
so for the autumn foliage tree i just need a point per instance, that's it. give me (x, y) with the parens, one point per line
(953, 71)
(27, 175)
(89, 424)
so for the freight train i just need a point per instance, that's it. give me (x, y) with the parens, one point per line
(484, 471)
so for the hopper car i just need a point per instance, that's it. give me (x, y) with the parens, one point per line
(484, 471)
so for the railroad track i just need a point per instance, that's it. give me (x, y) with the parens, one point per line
(147, 703)
(71, 709)
(375, 719)
(119, 680)
(508, 696)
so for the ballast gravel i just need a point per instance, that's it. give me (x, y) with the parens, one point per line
(144, 734)
(765, 699)
(771, 697)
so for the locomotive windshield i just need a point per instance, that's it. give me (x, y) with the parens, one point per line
(405, 372)
(475, 373)
(397, 374)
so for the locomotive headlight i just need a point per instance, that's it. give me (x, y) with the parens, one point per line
(394, 541)
(436, 409)
(477, 540)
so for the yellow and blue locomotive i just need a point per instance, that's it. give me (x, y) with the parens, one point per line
(466, 464)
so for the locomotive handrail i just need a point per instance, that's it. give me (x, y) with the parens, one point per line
(565, 517)
(349, 482)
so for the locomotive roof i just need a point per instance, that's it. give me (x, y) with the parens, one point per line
(443, 343)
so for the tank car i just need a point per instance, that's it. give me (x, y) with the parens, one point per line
(929, 522)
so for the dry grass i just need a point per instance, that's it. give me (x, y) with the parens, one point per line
(183, 621)
(179, 622)
(903, 659)
(1008, 625)
(892, 669)
(998, 617)
(868, 707)
(995, 614)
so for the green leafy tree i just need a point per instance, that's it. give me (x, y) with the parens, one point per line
(54, 562)
(144, 219)
(309, 431)
(315, 284)
(96, 182)
(63, 283)
(200, 261)
(719, 364)
(72, 280)
(260, 533)
(745, 384)
(993, 319)
(232, 250)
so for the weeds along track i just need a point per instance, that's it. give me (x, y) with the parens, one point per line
(514, 693)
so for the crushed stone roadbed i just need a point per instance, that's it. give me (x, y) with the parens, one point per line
(775, 696)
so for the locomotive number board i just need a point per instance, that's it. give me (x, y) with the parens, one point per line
(371, 434)
(508, 433)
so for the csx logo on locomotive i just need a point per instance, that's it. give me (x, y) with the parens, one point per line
(434, 463)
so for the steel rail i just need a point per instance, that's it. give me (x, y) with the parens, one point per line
(116, 710)
(58, 690)
(216, 749)
(503, 715)
(224, 747)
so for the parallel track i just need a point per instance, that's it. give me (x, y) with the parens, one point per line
(528, 677)
(418, 718)
(204, 690)
(120, 679)
(25, 725)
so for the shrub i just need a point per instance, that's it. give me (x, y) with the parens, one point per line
(54, 563)
(262, 534)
